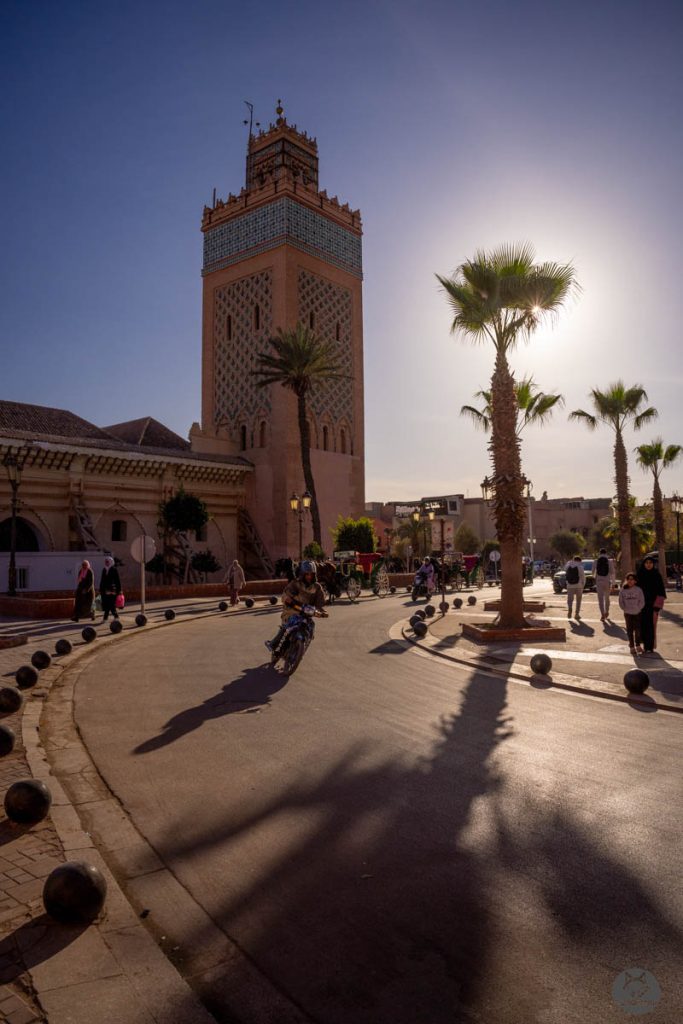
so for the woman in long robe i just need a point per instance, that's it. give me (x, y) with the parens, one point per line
(85, 593)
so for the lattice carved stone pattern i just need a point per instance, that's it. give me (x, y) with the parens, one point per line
(330, 305)
(238, 340)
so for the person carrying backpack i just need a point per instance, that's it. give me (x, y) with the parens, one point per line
(605, 575)
(576, 579)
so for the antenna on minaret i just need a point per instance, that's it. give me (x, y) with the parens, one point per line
(252, 124)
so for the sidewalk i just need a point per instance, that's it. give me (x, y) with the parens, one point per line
(594, 658)
(50, 972)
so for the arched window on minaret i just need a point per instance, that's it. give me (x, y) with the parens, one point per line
(311, 319)
(243, 437)
(337, 332)
(262, 434)
(342, 441)
(326, 437)
(257, 317)
(228, 327)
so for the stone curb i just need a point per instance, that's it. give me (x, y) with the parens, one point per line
(558, 680)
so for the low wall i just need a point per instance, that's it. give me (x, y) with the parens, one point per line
(51, 604)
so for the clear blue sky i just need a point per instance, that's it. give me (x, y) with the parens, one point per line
(451, 125)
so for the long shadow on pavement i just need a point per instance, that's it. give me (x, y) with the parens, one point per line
(250, 692)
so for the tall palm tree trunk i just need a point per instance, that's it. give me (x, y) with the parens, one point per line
(305, 437)
(509, 507)
(623, 511)
(660, 538)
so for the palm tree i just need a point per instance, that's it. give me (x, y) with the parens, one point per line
(656, 457)
(413, 533)
(502, 296)
(616, 407)
(533, 406)
(300, 360)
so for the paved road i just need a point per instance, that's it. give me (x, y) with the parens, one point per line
(390, 838)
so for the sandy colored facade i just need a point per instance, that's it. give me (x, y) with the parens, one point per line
(279, 253)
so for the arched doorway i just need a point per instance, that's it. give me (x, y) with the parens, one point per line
(27, 538)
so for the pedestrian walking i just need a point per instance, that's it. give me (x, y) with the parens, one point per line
(84, 598)
(236, 581)
(632, 602)
(110, 588)
(651, 583)
(605, 573)
(576, 579)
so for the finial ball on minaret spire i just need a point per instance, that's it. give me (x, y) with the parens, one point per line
(279, 111)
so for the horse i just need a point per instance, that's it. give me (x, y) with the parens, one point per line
(284, 567)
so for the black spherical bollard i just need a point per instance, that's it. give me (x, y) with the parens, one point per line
(409, 590)
(115, 626)
(421, 613)
(169, 614)
(457, 602)
(26, 677)
(74, 892)
(88, 634)
(140, 619)
(392, 590)
(420, 628)
(636, 681)
(10, 700)
(471, 599)
(430, 610)
(222, 606)
(41, 660)
(27, 802)
(414, 619)
(443, 607)
(272, 599)
(249, 601)
(7, 740)
(541, 664)
(63, 646)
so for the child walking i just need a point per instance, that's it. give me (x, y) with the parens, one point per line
(632, 602)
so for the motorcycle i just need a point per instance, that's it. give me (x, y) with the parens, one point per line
(420, 587)
(299, 632)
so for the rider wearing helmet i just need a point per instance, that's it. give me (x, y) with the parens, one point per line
(303, 589)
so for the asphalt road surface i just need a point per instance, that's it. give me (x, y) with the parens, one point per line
(391, 839)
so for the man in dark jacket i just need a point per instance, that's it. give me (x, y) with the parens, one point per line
(110, 588)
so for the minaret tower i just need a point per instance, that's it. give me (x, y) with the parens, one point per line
(280, 252)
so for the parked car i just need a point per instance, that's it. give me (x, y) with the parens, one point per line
(560, 578)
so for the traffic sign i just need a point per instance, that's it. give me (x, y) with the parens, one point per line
(143, 548)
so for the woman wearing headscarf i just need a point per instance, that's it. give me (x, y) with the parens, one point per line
(85, 593)
(235, 580)
(651, 583)
(110, 588)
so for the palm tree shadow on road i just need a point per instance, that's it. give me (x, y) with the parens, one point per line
(250, 692)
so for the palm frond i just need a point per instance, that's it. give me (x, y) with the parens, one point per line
(584, 417)
(478, 416)
(645, 417)
(672, 454)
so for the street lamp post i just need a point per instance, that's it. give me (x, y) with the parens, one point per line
(11, 464)
(677, 508)
(532, 539)
(300, 506)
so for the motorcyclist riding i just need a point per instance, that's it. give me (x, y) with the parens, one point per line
(426, 575)
(303, 589)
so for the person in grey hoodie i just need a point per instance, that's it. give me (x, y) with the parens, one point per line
(576, 580)
(632, 602)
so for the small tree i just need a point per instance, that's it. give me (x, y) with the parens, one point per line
(489, 546)
(182, 512)
(314, 551)
(466, 540)
(567, 543)
(354, 535)
(205, 562)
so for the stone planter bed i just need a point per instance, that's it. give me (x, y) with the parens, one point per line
(487, 633)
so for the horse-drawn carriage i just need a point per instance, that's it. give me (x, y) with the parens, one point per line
(349, 572)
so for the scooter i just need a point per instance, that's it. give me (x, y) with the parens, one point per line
(299, 632)
(420, 587)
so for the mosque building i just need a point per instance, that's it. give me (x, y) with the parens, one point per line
(278, 253)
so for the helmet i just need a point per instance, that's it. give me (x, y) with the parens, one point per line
(305, 567)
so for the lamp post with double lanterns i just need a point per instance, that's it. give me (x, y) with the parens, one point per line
(300, 506)
(13, 467)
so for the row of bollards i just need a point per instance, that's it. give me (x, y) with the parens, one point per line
(74, 892)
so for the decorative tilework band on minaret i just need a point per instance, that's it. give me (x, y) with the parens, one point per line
(279, 252)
